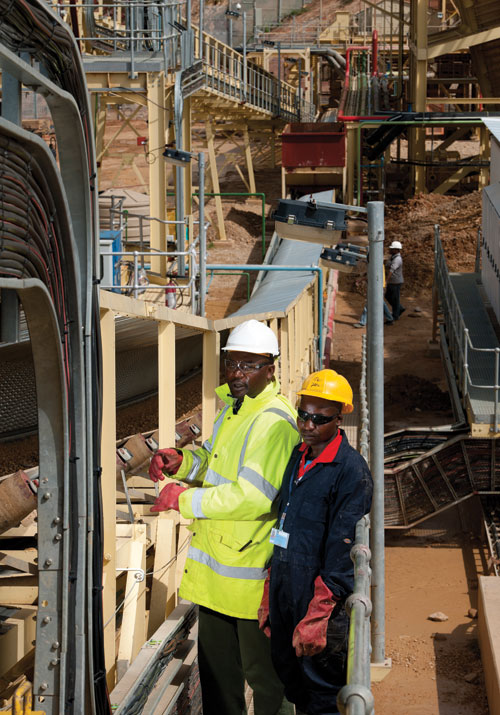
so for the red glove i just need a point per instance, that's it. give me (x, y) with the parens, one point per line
(169, 498)
(309, 636)
(263, 612)
(168, 460)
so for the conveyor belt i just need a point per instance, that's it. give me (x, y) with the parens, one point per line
(436, 480)
(136, 371)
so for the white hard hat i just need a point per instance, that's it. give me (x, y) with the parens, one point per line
(396, 244)
(253, 337)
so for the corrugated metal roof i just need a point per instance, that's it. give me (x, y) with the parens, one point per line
(493, 124)
(493, 193)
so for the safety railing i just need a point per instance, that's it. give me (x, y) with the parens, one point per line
(356, 698)
(461, 349)
(364, 421)
(134, 27)
(302, 33)
(160, 31)
(227, 71)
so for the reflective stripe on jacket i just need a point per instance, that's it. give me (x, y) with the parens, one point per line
(236, 478)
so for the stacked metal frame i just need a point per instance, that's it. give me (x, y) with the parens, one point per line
(48, 258)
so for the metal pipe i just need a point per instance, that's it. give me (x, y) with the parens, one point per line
(202, 233)
(355, 698)
(245, 68)
(304, 269)
(200, 29)
(364, 431)
(375, 333)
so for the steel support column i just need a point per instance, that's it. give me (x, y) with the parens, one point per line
(375, 333)
(157, 124)
(418, 87)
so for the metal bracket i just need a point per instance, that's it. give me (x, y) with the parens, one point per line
(140, 574)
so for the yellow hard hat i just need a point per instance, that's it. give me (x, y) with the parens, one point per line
(329, 385)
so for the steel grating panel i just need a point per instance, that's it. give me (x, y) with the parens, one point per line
(482, 335)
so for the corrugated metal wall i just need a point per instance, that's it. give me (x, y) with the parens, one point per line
(490, 263)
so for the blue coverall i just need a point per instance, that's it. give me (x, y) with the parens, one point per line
(324, 507)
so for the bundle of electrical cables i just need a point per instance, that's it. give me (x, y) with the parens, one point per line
(35, 242)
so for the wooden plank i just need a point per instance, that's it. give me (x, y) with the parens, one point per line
(158, 119)
(123, 693)
(24, 592)
(166, 384)
(108, 460)
(184, 538)
(166, 692)
(18, 633)
(457, 176)
(284, 363)
(135, 308)
(248, 158)
(210, 132)
(211, 362)
(133, 630)
(292, 356)
(163, 593)
(23, 561)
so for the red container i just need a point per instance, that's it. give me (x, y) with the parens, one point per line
(313, 144)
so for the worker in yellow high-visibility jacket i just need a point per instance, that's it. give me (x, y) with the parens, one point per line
(235, 479)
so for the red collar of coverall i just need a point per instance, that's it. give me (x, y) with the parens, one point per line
(327, 455)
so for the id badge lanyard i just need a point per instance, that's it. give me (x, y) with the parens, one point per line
(278, 536)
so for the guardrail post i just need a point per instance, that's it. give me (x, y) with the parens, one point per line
(136, 276)
(375, 334)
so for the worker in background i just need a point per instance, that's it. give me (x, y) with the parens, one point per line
(364, 315)
(326, 489)
(395, 280)
(234, 481)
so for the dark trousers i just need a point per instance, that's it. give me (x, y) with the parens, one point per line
(230, 651)
(313, 683)
(392, 294)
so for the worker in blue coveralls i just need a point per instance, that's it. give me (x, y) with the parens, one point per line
(327, 488)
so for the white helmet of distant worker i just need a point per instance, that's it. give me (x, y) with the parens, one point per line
(253, 337)
(397, 245)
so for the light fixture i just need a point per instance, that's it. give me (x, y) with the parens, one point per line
(177, 157)
(232, 13)
(310, 221)
(343, 257)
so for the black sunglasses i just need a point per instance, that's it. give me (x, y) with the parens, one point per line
(316, 419)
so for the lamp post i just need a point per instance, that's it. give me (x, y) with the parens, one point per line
(182, 159)
(230, 13)
(237, 13)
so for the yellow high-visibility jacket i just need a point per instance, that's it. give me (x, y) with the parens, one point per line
(238, 475)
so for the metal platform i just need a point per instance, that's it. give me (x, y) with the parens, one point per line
(481, 392)
(473, 346)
